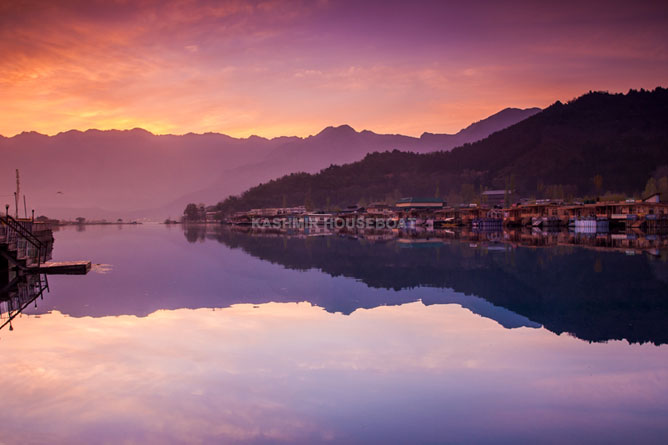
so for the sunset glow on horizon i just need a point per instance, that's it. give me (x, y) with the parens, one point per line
(275, 68)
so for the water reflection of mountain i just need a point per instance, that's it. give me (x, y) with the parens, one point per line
(592, 294)
(147, 269)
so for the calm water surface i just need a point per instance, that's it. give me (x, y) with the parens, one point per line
(222, 337)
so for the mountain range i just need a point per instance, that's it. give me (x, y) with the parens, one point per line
(594, 144)
(135, 174)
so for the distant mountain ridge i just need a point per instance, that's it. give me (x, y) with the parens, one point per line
(134, 173)
(481, 129)
(620, 138)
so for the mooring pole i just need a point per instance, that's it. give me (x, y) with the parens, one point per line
(17, 195)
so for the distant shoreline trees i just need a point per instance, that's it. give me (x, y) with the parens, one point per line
(195, 212)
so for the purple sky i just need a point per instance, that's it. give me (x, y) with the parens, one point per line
(288, 67)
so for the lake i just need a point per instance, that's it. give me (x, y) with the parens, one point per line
(210, 335)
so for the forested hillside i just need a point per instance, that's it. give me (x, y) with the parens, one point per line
(595, 144)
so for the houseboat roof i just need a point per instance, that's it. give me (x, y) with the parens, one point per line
(654, 197)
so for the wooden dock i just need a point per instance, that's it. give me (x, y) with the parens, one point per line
(62, 268)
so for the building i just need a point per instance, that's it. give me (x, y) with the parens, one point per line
(650, 213)
(277, 211)
(496, 197)
(420, 203)
(213, 215)
(461, 215)
(378, 209)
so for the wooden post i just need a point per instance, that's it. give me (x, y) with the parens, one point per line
(17, 195)
(33, 215)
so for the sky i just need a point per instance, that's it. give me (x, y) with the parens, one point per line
(276, 67)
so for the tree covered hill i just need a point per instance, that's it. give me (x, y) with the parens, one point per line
(596, 143)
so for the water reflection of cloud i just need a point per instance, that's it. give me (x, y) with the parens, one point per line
(294, 372)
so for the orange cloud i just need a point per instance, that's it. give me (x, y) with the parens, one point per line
(291, 67)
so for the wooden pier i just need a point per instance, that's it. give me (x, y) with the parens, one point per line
(25, 249)
(62, 268)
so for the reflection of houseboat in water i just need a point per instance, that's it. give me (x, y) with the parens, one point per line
(590, 225)
(420, 242)
(545, 221)
(633, 240)
(487, 224)
(317, 230)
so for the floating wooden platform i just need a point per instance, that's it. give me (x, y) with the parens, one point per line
(63, 268)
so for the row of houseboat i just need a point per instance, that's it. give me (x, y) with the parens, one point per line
(646, 214)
